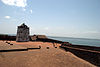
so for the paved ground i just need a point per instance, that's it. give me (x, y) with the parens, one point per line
(52, 57)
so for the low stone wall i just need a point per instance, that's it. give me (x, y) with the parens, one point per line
(85, 47)
(6, 37)
(49, 40)
(88, 55)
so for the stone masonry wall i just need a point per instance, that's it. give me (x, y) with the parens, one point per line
(22, 34)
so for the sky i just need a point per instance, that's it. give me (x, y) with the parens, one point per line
(65, 18)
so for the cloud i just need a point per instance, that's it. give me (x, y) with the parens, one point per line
(7, 17)
(18, 3)
(31, 11)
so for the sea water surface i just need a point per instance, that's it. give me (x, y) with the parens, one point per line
(78, 41)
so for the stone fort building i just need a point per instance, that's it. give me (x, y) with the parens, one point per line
(22, 33)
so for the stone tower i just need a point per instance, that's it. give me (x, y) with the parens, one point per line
(22, 33)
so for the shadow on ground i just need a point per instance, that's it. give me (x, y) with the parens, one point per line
(91, 57)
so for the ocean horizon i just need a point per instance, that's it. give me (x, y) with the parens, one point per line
(78, 41)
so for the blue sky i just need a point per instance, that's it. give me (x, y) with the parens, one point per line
(67, 18)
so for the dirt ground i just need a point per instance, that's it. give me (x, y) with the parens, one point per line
(51, 57)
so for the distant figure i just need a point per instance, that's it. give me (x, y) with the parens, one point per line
(22, 33)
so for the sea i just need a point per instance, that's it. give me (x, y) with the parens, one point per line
(78, 41)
